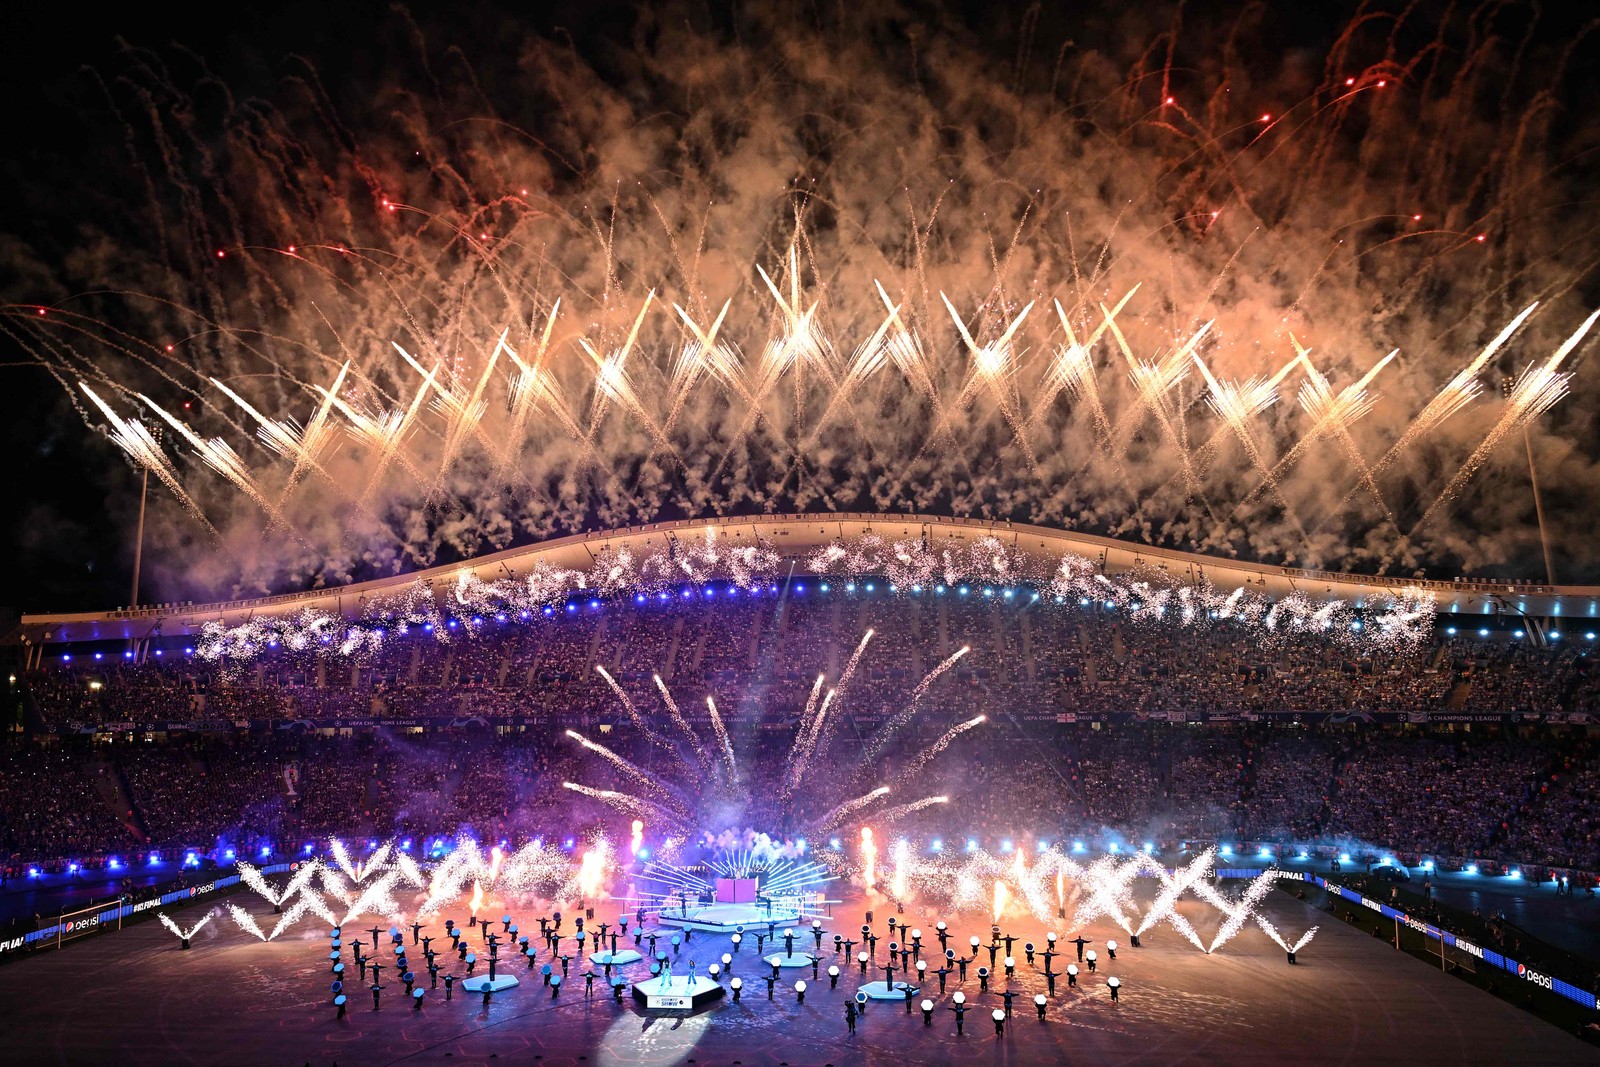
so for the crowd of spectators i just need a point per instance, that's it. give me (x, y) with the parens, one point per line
(496, 703)
(1048, 657)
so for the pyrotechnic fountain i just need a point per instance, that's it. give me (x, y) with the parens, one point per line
(804, 353)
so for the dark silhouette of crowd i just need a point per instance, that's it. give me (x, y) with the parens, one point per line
(428, 736)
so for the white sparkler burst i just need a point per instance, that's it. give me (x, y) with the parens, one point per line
(180, 931)
(981, 880)
(246, 922)
(253, 878)
(1404, 616)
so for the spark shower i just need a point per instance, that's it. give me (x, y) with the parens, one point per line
(1263, 304)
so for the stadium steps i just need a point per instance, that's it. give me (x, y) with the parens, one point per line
(1030, 666)
(113, 790)
(669, 668)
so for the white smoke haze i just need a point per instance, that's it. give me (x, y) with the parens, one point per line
(786, 170)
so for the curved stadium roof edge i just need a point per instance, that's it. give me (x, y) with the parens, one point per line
(796, 536)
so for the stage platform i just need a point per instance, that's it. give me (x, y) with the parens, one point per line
(883, 991)
(679, 993)
(477, 983)
(726, 918)
(796, 959)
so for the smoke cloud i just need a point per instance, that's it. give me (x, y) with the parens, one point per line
(814, 264)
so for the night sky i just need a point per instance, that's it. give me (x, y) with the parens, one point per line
(68, 531)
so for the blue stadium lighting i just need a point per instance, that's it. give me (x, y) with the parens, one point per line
(833, 843)
(1265, 854)
(99, 655)
(1451, 630)
(686, 594)
(1427, 865)
(1227, 850)
(188, 650)
(850, 587)
(1149, 847)
(1034, 597)
(1517, 634)
(972, 846)
(451, 624)
(939, 589)
(916, 588)
(114, 863)
(504, 843)
(892, 588)
(428, 626)
(66, 657)
(1344, 857)
(1555, 635)
(272, 643)
(824, 587)
(266, 850)
(800, 588)
(963, 590)
(1515, 873)
(987, 591)
(1356, 625)
(871, 588)
(711, 592)
(594, 603)
(1385, 861)
(936, 846)
(477, 620)
(33, 872)
(1302, 855)
(1472, 868)
(1077, 846)
(1111, 603)
(574, 607)
(524, 615)
(228, 854)
(1589, 635)
(371, 845)
(568, 843)
(405, 846)
(548, 611)
(638, 598)
(644, 853)
(1008, 594)
(772, 588)
(308, 850)
(72, 868)
(1005, 846)
(800, 845)
(1044, 846)
(1483, 632)
(158, 651)
(1115, 848)
(1083, 602)
(500, 616)
(155, 859)
(128, 654)
(733, 590)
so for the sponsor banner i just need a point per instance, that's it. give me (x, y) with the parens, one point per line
(47, 936)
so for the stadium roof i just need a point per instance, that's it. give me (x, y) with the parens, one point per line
(798, 535)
